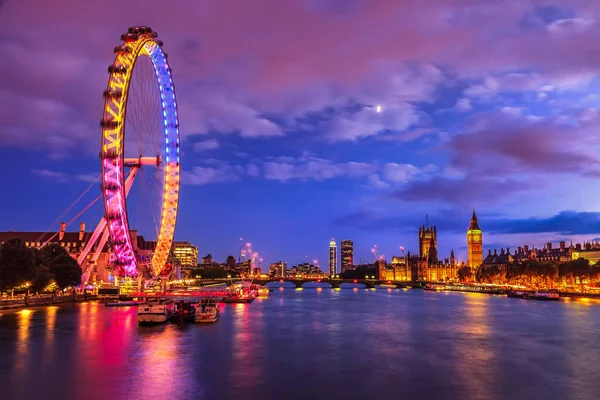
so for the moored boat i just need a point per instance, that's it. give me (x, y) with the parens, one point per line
(543, 295)
(185, 311)
(239, 294)
(430, 286)
(156, 312)
(207, 310)
(122, 303)
(519, 294)
(263, 291)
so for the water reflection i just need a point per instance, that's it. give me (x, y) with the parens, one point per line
(248, 350)
(311, 344)
(473, 350)
(22, 346)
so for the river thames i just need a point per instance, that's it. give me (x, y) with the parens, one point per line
(311, 344)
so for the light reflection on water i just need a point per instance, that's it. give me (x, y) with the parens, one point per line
(353, 343)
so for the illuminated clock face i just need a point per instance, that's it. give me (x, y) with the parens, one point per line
(476, 238)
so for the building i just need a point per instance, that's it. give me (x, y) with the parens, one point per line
(474, 243)
(398, 270)
(278, 269)
(186, 253)
(208, 259)
(347, 252)
(426, 266)
(401, 269)
(428, 256)
(98, 260)
(502, 258)
(332, 258)
(230, 263)
(548, 253)
(306, 270)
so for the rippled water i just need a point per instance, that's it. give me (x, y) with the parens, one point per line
(311, 344)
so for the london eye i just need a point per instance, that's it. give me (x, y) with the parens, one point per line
(140, 136)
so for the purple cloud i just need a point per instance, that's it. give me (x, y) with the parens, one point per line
(456, 221)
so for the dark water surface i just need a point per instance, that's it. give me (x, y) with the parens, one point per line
(311, 344)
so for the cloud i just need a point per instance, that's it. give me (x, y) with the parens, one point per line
(462, 190)
(252, 170)
(202, 175)
(369, 122)
(58, 177)
(456, 221)
(307, 167)
(313, 168)
(400, 173)
(498, 146)
(463, 105)
(570, 26)
(376, 182)
(209, 144)
(61, 177)
(239, 78)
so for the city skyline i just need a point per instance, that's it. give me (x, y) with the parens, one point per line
(287, 146)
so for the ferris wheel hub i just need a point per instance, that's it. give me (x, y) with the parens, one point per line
(140, 161)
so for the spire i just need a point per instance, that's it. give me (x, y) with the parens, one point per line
(452, 254)
(474, 225)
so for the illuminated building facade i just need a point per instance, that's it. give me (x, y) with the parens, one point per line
(278, 269)
(474, 243)
(347, 250)
(427, 251)
(332, 257)
(305, 270)
(186, 253)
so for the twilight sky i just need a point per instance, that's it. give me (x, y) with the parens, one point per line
(485, 104)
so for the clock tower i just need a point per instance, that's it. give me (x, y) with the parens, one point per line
(474, 243)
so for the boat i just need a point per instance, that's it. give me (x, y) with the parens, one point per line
(185, 312)
(263, 291)
(239, 294)
(543, 295)
(207, 310)
(429, 286)
(156, 311)
(122, 303)
(519, 294)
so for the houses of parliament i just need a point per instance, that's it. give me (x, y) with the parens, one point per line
(426, 265)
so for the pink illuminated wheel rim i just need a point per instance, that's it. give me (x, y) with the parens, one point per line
(140, 130)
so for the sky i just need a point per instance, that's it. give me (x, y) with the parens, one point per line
(303, 120)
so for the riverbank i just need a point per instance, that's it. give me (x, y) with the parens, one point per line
(501, 292)
(43, 300)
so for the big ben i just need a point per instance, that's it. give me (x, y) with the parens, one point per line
(474, 243)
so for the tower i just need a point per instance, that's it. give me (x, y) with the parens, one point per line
(332, 257)
(474, 243)
(347, 251)
(428, 243)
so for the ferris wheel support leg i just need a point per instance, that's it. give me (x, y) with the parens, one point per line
(100, 228)
(94, 258)
(83, 256)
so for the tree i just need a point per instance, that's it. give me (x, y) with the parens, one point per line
(52, 251)
(210, 273)
(66, 271)
(17, 264)
(42, 276)
(465, 274)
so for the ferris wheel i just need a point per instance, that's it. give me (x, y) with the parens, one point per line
(140, 131)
